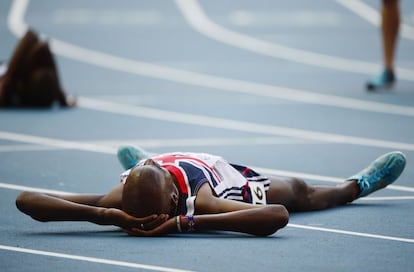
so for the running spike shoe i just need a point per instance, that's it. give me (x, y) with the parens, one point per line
(129, 156)
(380, 173)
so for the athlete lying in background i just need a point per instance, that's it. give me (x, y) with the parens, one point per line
(30, 78)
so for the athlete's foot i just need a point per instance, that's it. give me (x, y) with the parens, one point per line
(383, 81)
(129, 156)
(380, 173)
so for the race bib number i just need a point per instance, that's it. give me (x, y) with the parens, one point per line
(258, 193)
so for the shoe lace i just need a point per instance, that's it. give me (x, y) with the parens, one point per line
(373, 178)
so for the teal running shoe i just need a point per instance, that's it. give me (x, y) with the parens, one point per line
(380, 173)
(129, 156)
(383, 81)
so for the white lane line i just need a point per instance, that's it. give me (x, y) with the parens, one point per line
(386, 198)
(184, 118)
(109, 150)
(15, 20)
(17, 148)
(90, 259)
(198, 20)
(373, 16)
(55, 143)
(18, 27)
(353, 233)
(32, 189)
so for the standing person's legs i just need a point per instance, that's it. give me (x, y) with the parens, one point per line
(390, 22)
(390, 26)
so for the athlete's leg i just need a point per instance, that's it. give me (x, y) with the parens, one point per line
(298, 196)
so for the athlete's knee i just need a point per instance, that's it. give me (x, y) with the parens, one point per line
(302, 192)
(299, 186)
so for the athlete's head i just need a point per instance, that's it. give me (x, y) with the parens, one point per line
(149, 189)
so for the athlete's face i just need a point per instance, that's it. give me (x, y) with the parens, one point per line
(169, 192)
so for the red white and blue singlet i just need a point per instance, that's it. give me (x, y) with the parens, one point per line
(229, 181)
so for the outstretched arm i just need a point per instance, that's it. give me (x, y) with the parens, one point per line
(90, 208)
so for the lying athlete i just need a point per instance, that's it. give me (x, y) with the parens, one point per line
(185, 192)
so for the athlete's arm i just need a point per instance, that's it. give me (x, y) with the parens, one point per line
(46, 207)
(213, 213)
(206, 202)
(260, 221)
(237, 216)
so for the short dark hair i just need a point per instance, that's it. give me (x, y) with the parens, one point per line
(143, 192)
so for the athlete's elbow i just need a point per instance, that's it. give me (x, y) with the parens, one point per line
(25, 204)
(22, 201)
(283, 216)
(278, 217)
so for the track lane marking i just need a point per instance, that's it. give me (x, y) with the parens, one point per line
(353, 233)
(15, 187)
(90, 259)
(64, 144)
